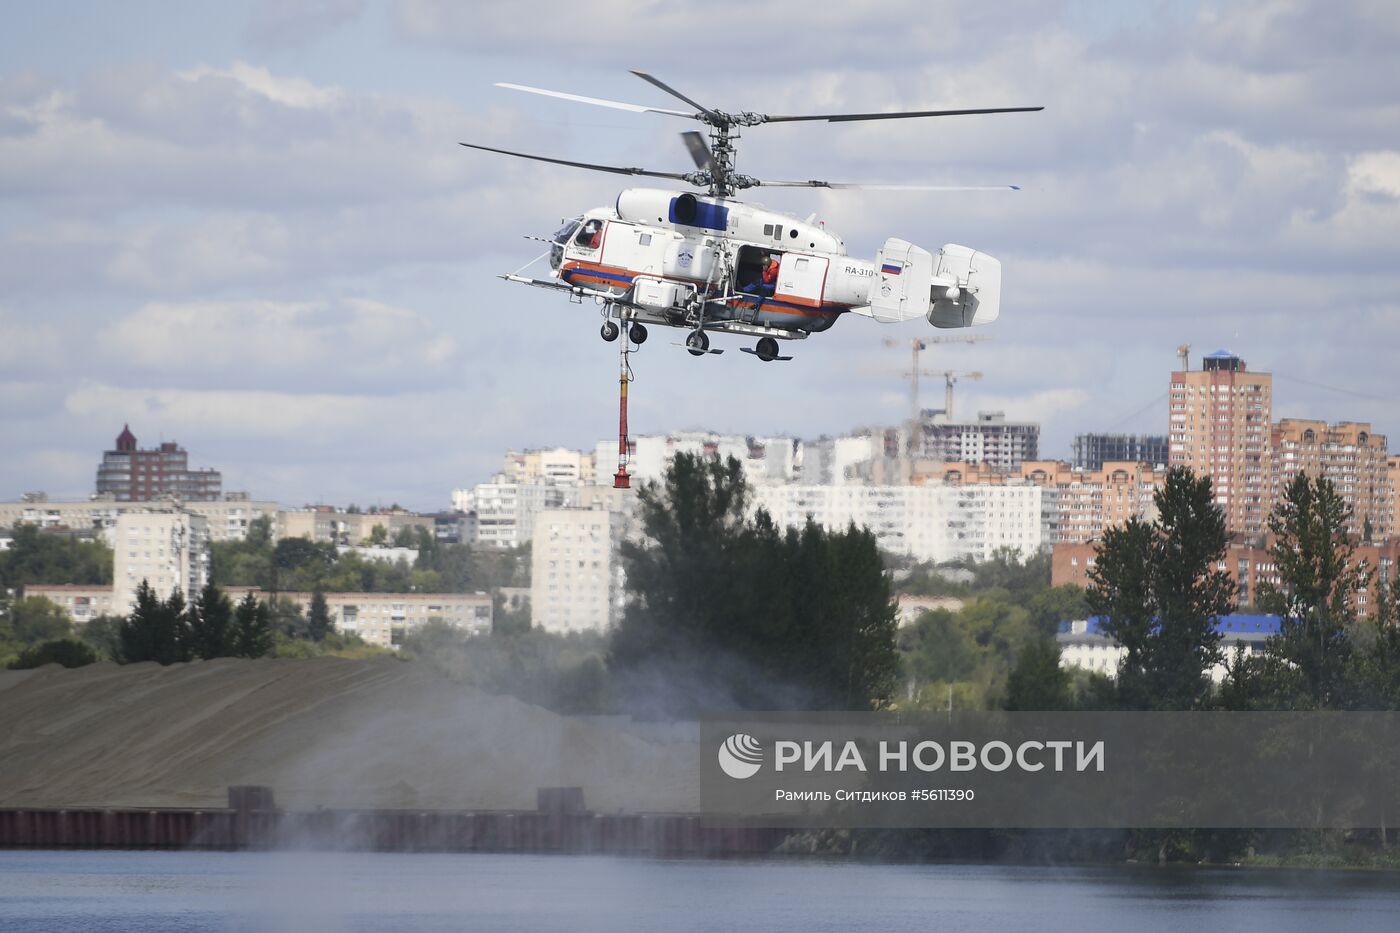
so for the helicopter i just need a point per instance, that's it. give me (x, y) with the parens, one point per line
(709, 263)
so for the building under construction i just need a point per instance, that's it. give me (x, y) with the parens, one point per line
(1091, 451)
(990, 439)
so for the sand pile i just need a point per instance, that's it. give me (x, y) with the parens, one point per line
(324, 732)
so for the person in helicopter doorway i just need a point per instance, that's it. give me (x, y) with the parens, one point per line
(766, 280)
(769, 280)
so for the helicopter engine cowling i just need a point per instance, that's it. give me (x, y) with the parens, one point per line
(682, 209)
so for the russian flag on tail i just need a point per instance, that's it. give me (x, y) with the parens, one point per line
(891, 268)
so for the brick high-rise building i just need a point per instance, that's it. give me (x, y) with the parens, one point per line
(1350, 456)
(132, 475)
(1220, 419)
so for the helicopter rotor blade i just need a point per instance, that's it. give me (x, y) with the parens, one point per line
(895, 115)
(699, 150)
(843, 186)
(596, 101)
(673, 92)
(611, 169)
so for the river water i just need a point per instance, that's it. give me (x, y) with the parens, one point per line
(153, 892)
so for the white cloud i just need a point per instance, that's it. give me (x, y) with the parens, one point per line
(280, 89)
(1220, 176)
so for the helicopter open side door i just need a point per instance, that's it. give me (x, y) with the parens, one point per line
(903, 276)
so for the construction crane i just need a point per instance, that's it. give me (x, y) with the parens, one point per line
(916, 346)
(950, 377)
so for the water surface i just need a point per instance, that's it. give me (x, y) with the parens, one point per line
(153, 892)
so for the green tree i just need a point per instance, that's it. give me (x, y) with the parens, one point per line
(211, 628)
(509, 621)
(300, 563)
(157, 630)
(247, 562)
(67, 652)
(1038, 682)
(287, 618)
(378, 535)
(1190, 591)
(104, 635)
(318, 618)
(36, 619)
(36, 556)
(1160, 592)
(1050, 607)
(253, 626)
(1121, 593)
(1319, 580)
(727, 610)
(1376, 669)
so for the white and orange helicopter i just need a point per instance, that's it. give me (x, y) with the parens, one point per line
(712, 264)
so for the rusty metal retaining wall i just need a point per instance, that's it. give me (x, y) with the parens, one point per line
(663, 835)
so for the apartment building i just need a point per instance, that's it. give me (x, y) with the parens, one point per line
(384, 619)
(575, 575)
(167, 548)
(1220, 422)
(1348, 454)
(131, 474)
(228, 517)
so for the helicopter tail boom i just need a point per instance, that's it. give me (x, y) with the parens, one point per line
(958, 287)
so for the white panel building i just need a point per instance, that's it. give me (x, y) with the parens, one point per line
(168, 548)
(575, 576)
(929, 523)
(228, 517)
(505, 511)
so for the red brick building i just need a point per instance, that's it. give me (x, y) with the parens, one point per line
(133, 475)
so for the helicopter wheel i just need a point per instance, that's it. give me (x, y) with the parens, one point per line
(697, 343)
(609, 331)
(767, 349)
(637, 333)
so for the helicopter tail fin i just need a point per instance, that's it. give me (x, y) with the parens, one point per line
(959, 287)
(904, 273)
(965, 288)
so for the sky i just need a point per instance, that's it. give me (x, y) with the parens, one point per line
(249, 228)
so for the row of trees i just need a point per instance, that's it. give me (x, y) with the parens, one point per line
(36, 557)
(171, 630)
(725, 610)
(1160, 589)
(300, 564)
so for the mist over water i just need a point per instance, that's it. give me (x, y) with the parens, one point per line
(227, 892)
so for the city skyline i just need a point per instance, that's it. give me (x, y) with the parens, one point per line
(250, 228)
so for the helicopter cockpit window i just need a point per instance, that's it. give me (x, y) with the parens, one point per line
(563, 233)
(561, 236)
(590, 235)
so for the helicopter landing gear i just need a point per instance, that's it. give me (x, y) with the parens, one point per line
(637, 333)
(766, 350)
(609, 331)
(697, 342)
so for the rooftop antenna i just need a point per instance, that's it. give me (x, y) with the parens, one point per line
(1183, 353)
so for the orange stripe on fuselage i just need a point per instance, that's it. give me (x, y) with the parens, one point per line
(809, 307)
